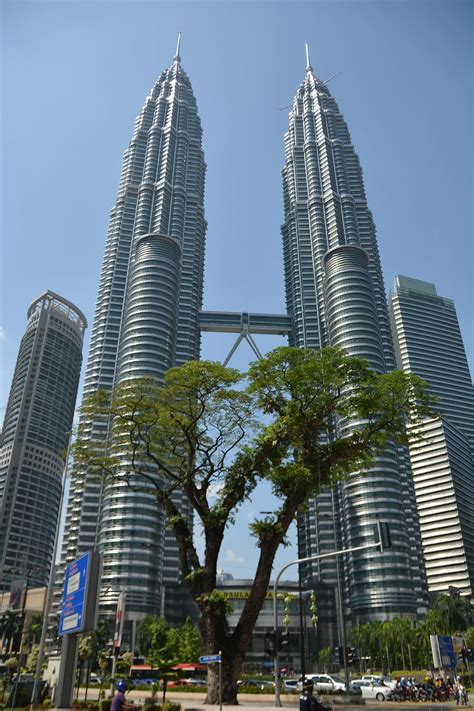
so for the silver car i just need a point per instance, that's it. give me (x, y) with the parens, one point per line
(326, 682)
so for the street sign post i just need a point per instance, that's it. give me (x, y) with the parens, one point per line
(78, 614)
(76, 579)
(215, 659)
(210, 659)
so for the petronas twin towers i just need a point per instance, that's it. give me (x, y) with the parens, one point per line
(148, 318)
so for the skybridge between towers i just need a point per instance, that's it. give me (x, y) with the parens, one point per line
(246, 325)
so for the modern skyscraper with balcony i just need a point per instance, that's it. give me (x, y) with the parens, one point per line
(35, 435)
(335, 296)
(146, 321)
(428, 342)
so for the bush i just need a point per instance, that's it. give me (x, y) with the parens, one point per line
(330, 692)
(254, 690)
(150, 706)
(105, 704)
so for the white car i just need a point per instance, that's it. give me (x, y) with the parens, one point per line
(326, 682)
(377, 678)
(374, 690)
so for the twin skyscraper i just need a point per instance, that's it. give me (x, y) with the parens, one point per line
(149, 317)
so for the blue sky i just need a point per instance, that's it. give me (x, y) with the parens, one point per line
(75, 74)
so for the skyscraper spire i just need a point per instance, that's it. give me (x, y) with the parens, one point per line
(309, 68)
(178, 45)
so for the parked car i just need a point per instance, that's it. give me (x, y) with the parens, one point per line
(197, 682)
(179, 682)
(256, 683)
(94, 678)
(291, 684)
(354, 687)
(326, 682)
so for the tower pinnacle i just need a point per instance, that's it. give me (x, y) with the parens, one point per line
(309, 68)
(177, 58)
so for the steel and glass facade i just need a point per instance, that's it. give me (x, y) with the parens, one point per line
(428, 342)
(146, 321)
(335, 296)
(35, 436)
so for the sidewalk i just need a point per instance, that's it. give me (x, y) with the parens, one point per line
(265, 702)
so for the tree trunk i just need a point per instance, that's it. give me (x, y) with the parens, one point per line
(230, 672)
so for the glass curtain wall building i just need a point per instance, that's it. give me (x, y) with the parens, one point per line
(335, 296)
(428, 342)
(35, 436)
(146, 321)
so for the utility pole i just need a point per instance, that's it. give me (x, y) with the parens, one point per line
(51, 580)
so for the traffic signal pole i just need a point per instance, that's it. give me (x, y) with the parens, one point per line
(382, 542)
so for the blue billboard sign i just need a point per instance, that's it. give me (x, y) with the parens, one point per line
(72, 617)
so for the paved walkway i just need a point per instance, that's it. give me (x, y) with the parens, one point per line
(265, 702)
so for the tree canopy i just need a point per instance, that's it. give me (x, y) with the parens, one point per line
(214, 433)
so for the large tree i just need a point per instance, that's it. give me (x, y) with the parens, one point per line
(214, 433)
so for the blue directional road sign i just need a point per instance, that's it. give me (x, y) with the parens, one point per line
(72, 617)
(446, 652)
(210, 659)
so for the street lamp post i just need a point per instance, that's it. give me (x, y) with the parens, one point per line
(378, 544)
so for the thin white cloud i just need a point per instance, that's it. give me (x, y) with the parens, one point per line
(232, 557)
(3, 334)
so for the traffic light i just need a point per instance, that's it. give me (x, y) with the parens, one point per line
(270, 646)
(382, 535)
(338, 656)
(351, 656)
(283, 640)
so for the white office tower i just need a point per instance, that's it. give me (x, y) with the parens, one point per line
(335, 296)
(428, 342)
(146, 321)
(35, 436)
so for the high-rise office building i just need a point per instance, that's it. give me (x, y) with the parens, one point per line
(428, 342)
(146, 321)
(335, 296)
(35, 436)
